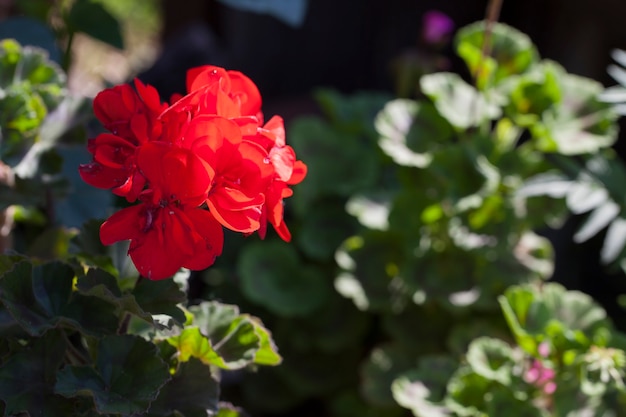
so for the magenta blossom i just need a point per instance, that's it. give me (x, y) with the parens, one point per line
(436, 27)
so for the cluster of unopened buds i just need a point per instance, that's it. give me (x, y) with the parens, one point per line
(205, 161)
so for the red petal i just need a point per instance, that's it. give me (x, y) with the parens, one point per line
(245, 92)
(211, 240)
(207, 75)
(299, 172)
(122, 225)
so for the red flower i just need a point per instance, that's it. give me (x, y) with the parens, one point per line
(287, 171)
(230, 93)
(130, 113)
(242, 171)
(113, 166)
(168, 230)
(202, 163)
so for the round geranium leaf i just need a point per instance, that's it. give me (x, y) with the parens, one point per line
(492, 359)
(569, 318)
(580, 123)
(410, 130)
(238, 339)
(41, 298)
(423, 389)
(271, 276)
(339, 163)
(369, 274)
(27, 378)
(323, 230)
(384, 364)
(125, 379)
(458, 102)
(336, 326)
(511, 52)
(193, 390)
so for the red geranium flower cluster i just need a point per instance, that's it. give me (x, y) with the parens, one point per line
(204, 161)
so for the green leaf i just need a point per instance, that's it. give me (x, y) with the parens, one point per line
(468, 393)
(336, 326)
(614, 241)
(339, 163)
(41, 298)
(27, 378)
(126, 377)
(580, 124)
(114, 258)
(597, 220)
(352, 113)
(239, 339)
(533, 93)
(323, 230)
(30, 86)
(160, 297)
(371, 209)
(384, 365)
(272, 276)
(409, 132)
(93, 19)
(369, 274)
(99, 283)
(511, 52)
(192, 391)
(458, 102)
(492, 359)
(465, 332)
(422, 390)
(229, 410)
(568, 318)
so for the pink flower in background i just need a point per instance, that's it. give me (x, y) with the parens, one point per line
(540, 375)
(436, 27)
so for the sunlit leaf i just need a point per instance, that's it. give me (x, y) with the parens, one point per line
(458, 102)
(384, 364)
(599, 218)
(370, 271)
(569, 318)
(422, 389)
(409, 131)
(580, 123)
(239, 339)
(510, 52)
(492, 359)
(614, 241)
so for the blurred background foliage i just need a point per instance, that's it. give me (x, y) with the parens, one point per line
(444, 190)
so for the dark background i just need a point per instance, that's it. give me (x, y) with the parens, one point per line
(349, 44)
